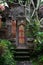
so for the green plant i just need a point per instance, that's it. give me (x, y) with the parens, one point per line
(41, 58)
(38, 61)
(6, 56)
(34, 62)
(11, 1)
(28, 30)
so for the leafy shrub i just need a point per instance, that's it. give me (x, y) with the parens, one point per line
(6, 56)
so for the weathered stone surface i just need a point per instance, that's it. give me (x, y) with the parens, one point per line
(24, 63)
(17, 11)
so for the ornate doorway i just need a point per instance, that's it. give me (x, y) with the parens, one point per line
(21, 36)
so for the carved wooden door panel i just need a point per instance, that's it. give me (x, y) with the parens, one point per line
(21, 34)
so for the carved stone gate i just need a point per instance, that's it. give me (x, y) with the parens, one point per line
(20, 36)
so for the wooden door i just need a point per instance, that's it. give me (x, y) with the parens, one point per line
(21, 34)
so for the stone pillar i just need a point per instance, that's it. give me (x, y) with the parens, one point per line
(0, 22)
(13, 30)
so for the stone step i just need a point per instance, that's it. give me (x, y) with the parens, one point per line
(19, 52)
(23, 63)
(22, 54)
(22, 58)
(22, 47)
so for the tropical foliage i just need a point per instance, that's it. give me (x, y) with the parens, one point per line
(6, 55)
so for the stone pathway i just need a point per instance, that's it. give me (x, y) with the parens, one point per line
(24, 63)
